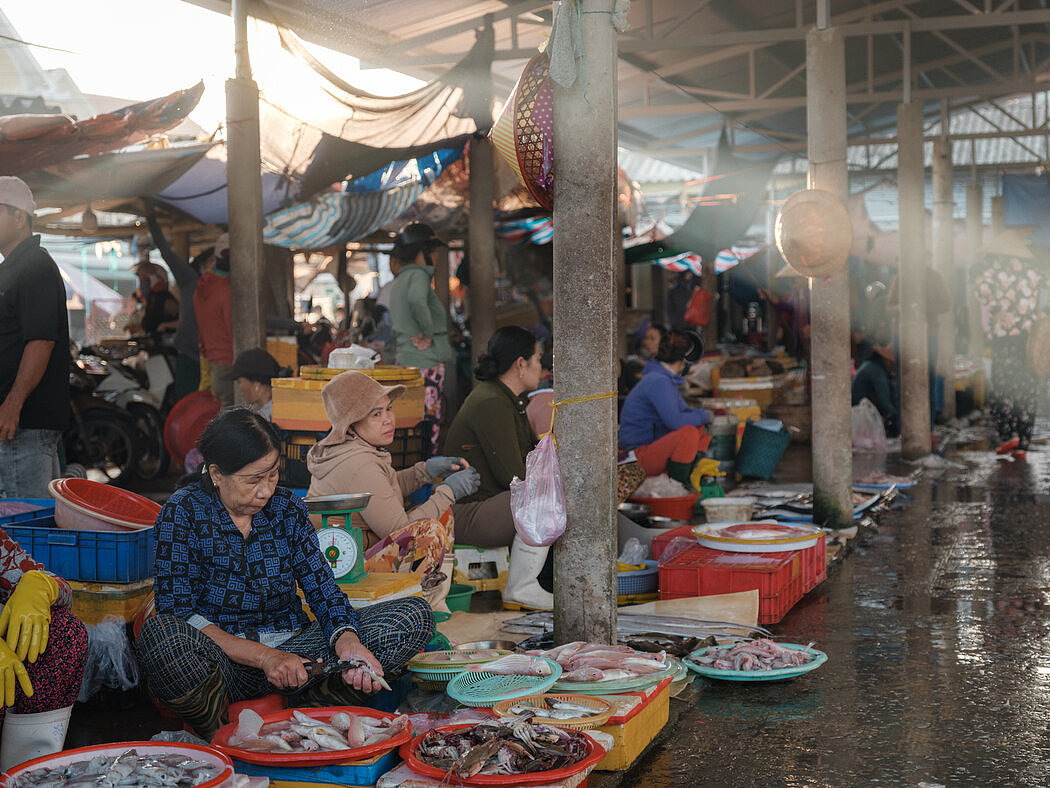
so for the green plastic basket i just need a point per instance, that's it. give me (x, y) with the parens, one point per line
(440, 673)
(760, 451)
(483, 690)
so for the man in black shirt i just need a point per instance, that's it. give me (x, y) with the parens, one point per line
(34, 351)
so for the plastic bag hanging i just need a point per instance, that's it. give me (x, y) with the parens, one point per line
(537, 504)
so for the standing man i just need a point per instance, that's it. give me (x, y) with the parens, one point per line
(34, 351)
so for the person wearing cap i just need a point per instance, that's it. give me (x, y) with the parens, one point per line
(353, 458)
(160, 313)
(874, 382)
(34, 351)
(213, 305)
(418, 319)
(252, 372)
(233, 550)
(666, 435)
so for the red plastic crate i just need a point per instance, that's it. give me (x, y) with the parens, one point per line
(814, 565)
(699, 571)
(662, 539)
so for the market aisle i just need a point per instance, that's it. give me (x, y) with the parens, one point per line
(939, 656)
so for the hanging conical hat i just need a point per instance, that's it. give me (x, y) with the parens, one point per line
(814, 233)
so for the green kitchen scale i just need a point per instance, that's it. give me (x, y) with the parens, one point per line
(342, 545)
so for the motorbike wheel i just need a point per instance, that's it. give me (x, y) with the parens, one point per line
(105, 444)
(153, 459)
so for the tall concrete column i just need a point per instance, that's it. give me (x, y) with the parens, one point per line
(585, 324)
(944, 263)
(829, 297)
(481, 245)
(974, 239)
(620, 288)
(915, 389)
(441, 266)
(244, 178)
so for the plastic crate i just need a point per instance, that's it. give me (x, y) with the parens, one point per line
(633, 730)
(699, 571)
(295, 444)
(814, 565)
(45, 508)
(662, 539)
(411, 445)
(355, 773)
(89, 556)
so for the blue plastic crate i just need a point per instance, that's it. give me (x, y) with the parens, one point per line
(88, 556)
(364, 773)
(46, 509)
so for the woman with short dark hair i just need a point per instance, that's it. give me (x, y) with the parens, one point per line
(231, 548)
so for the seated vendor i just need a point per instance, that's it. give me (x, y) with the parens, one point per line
(874, 382)
(42, 657)
(231, 548)
(353, 458)
(252, 372)
(665, 434)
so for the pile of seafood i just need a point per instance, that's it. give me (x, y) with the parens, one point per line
(303, 733)
(554, 709)
(127, 769)
(515, 665)
(582, 661)
(762, 654)
(509, 746)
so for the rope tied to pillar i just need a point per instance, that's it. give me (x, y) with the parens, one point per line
(573, 401)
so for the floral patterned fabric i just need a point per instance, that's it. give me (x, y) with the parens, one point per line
(425, 541)
(1008, 289)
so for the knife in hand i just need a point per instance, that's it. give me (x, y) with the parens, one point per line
(315, 668)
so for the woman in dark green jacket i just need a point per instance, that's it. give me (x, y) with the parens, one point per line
(492, 432)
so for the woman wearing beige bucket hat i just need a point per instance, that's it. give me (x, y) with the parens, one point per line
(353, 458)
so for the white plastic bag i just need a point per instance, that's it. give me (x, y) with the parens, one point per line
(869, 434)
(538, 503)
(110, 661)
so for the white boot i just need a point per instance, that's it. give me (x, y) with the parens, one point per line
(522, 590)
(28, 736)
(436, 596)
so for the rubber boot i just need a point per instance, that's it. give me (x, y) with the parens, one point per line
(206, 708)
(28, 736)
(681, 472)
(436, 595)
(522, 591)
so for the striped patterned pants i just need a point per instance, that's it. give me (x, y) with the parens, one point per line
(187, 671)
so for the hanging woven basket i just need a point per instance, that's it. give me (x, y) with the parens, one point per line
(814, 233)
(524, 131)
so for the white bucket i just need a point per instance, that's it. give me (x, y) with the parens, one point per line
(730, 509)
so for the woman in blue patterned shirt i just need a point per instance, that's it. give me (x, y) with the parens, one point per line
(231, 548)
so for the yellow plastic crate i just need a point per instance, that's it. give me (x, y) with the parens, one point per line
(94, 601)
(297, 403)
(478, 560)
(285, 350)
(633, 731)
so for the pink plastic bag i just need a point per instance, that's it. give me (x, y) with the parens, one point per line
(538, 503)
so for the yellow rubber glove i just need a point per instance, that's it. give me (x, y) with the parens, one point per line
(26, 617)
(11, 667)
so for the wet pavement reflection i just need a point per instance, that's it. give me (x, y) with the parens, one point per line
(939, 660)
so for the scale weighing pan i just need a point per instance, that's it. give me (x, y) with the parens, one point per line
(337, 503)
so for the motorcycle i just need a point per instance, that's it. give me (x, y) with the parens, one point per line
(101, 435)
(140, 393)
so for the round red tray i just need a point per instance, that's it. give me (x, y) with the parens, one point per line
(408, 755)
(222, 736)
(186, 422)
(106, 502)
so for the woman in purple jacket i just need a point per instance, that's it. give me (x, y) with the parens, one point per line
(665, 434)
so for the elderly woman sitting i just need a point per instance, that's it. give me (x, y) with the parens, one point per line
(231, 549)
(352, 458)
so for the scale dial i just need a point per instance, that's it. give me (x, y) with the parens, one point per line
(339, 549)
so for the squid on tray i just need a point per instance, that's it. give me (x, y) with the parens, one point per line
(603, 662)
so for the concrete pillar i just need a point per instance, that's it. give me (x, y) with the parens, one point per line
(620, 285)
(829, 297)
(944, 264)
(482, 245)
(974, 239)
(585, 323)
(709, 281)
(998, 215)
(244, 178)
(451, 387)
(914, 385)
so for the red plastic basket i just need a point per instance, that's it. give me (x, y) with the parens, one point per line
(679, 508)
(186, 422)
(105, 502)
(700, 571)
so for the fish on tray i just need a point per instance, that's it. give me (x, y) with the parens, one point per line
(514, 665)
(553, 709)
(303, 733)
(444, 659)
(129, 769)
(509, 746)
(585, 662)
(762, 654)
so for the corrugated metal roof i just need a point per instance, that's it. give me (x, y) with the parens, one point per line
(647, 170)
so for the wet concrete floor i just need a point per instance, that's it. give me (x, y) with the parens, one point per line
(938, 669)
